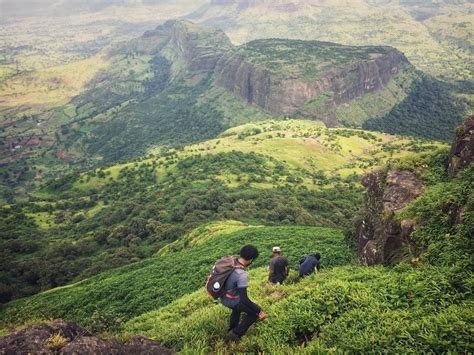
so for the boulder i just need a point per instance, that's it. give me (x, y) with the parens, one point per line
(63, 337)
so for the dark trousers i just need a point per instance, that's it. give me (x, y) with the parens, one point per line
(277, 279)
(249, 318)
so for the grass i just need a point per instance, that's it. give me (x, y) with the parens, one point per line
(141, 287)
(55, 342)
(344, 309)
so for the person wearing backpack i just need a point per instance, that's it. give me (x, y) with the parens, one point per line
(230, 272)
(278, 269)
(309, 264)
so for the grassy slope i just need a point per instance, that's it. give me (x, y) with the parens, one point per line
(143, 286)
(345, 309)
(274, 172)
(299, 144)
(426, 307)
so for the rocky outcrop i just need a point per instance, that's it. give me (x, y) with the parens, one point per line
(287, 97)
(62, 337)
(462, 150)
(379, 236)
(199, 47)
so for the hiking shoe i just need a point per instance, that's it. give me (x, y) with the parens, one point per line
(232, 336)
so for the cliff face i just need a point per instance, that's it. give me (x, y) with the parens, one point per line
(379, 235)
(199, 47)
(462, 150)
(289, 96)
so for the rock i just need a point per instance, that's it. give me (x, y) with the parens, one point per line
(407, 226)
(73, 339)
(462, 150)
(401, 187)
(380, 237)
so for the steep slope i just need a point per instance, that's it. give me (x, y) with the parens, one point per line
(127, 292)
(400, 309)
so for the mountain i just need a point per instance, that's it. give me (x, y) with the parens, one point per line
(183, 83)
(434, 35)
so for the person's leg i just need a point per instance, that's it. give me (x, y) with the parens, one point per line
(249, 318)
(234, 318)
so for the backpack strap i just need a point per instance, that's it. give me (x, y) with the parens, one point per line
(227, 294)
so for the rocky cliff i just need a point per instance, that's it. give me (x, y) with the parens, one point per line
(381, 237)
(62, 337)
(462, 150)
(297, 93)
(199, 47)
(283, 77)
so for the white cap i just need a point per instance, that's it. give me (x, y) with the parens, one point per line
(276, 249)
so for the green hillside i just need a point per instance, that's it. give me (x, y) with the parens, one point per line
(423, 304)
(346, 309)
(130, 291)
(274, 172)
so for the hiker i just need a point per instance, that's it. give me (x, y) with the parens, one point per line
(234, 292)
(309, 263)
(278, 267)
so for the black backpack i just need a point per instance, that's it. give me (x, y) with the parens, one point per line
(220, 273)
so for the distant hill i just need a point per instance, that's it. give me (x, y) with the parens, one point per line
(24, 8)
(183, 83)
(434, 35)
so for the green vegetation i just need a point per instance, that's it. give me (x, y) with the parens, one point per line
(345, 309)
(132, 290)
(431, 105)
(307, 59)
(422, 305)
(275, 172)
